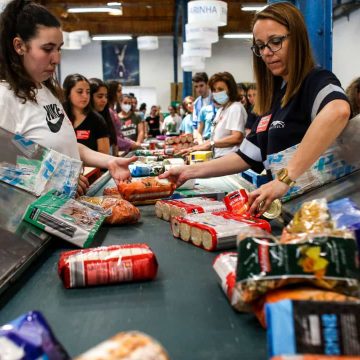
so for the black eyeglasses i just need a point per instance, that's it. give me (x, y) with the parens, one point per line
(274, 44)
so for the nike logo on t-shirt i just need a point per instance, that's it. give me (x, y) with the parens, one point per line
(54, 117)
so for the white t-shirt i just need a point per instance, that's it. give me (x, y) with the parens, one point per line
(232, 118)
(172, 124)
(44, 122)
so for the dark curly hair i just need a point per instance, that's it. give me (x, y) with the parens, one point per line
(22, 18)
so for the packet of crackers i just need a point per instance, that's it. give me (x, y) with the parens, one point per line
(313, 218)
(107, 265)
(325, 262)
(118, 211)
(149, 188)
(129, 345)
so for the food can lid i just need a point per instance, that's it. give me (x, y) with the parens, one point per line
(274, 210)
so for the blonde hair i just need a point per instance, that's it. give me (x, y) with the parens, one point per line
(300, 58)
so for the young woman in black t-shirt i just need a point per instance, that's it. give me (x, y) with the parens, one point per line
(298, 104)
(90, 128)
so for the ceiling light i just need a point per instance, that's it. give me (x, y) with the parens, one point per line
(239, 36)
(95, 10)
(253, 7)
(111, 37)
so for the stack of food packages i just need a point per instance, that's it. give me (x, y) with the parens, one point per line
(208, 223)
(30, 337)
(311, 261)
(176, 143)
(153, 165)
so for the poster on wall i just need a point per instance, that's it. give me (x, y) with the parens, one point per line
(121, 61)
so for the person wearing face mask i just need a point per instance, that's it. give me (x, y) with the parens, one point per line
(301, 109)
(132, 126)
(228, 127)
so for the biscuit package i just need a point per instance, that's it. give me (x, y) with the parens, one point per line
(66, 218)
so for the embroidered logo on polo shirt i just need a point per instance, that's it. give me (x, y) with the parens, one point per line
(263, 123)
(278, 124)
(54, 117)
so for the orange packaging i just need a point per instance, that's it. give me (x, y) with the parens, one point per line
(300, 293)
(148, 188)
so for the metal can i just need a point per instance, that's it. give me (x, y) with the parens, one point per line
(274, 211)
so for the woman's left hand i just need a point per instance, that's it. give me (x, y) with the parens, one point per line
(119, 168)
(260, 199)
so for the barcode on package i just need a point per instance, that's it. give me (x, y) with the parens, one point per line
(56, 224)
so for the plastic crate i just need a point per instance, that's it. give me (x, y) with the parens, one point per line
(254, 178)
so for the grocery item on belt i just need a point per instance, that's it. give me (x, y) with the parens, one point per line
(129, 345)
(296, 293)
(312, 218)
(325, 262)
(158, 152)
(111, 191)
(146, 189)
(214, 231)
(313, 327)
(119, 211)
(66, 218)
(196, 156)
(107, 265)
(30, 337)
(149, 169)
(164, 209)
(225, 268)
(237, 202)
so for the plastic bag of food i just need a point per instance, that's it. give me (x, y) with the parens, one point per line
(146, 189)
(313, 327)
(326, 262)
(118, 211)
(312, 218)
(107, 265)
(296, 293)
(129, 345)
(112, 191)
(30, 337)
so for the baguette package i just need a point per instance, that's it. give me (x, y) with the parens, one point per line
(129, 345)
(214, 231)
(165, 209)
(146, 189)
(118, 211)
(107, 265)
(325, 262)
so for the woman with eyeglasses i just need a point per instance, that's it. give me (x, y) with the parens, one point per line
(298, 105)
(228, 127)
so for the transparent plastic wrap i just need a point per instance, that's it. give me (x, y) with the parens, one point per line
(36, 169)
(337, 161)
(118, 211)
(129, 345)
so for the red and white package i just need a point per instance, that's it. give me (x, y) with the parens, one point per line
(237, 202)
(225, 268)
(214, 231)
(107, 265)
(165, 209)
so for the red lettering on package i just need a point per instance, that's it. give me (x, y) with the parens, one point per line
(264, 258)
(82, 134)
(263, 123)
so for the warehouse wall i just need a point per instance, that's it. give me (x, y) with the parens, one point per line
(233, 55)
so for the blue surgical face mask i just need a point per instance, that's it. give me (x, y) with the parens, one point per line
(221, 97)
(126, 108)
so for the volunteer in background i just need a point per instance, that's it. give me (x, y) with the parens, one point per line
(30, 43)
(186, 126)
(172, 122)
(298, 103)
(228, 127)
(153, 122)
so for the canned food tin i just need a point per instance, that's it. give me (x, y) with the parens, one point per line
(274, 211)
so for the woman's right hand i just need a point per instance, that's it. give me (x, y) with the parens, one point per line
(177, 175)
(83, 185)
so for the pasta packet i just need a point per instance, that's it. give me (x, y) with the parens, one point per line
(325, 262)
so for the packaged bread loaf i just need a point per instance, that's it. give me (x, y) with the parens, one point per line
(129, 345)
(119, 211)
(165, 209)
(107, 265)
(146, 189)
